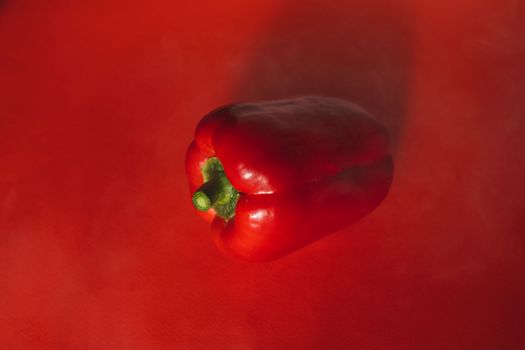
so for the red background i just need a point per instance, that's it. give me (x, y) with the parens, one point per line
(100, 247)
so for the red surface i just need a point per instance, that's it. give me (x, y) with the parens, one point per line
(100, 247)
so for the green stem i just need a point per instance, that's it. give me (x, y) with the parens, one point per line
(217, 192)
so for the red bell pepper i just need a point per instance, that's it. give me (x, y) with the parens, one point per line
(274, 176)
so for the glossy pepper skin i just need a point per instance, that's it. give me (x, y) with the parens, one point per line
(302, 168)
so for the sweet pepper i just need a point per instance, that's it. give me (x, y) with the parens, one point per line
(274, 176)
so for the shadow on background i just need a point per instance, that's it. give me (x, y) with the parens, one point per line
(357, 50)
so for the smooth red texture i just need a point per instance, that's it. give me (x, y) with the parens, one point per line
(304, 168)
(100, 247)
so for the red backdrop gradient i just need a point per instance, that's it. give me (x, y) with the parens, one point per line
(101, 249)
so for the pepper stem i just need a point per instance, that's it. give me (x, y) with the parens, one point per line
(216, 192)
